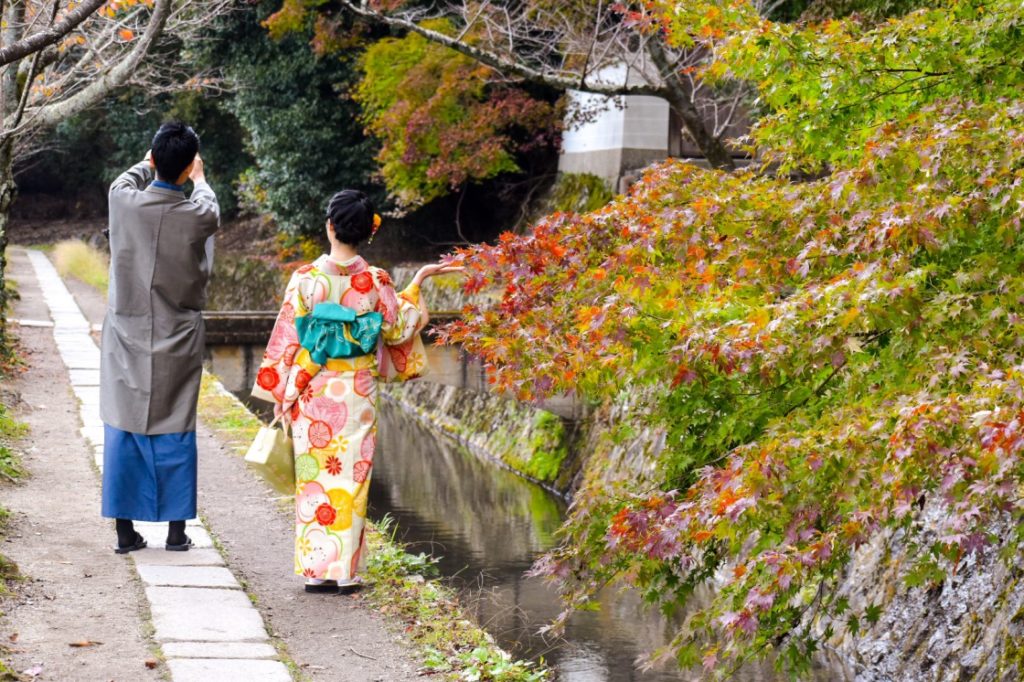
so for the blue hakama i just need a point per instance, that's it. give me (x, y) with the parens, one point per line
(149, 478)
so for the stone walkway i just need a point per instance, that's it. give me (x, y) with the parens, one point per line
(205, 624)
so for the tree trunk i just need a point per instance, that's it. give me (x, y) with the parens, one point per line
(714, 149)
(678, 96)
(7, 192)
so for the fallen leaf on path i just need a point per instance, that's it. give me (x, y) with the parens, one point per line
(152, 663)
(34, 671)
(13, 637)
(84, 643)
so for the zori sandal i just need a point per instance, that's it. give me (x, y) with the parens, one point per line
(317, 586)
(183, 547)
(139, 543)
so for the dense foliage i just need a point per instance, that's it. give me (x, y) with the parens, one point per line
(304, 132)
(440, 119)
(113, 136)
(443, 120)
(825, 357)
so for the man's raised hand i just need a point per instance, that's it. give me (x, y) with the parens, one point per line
(198, 173)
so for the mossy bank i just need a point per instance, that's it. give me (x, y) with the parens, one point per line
(531, 442)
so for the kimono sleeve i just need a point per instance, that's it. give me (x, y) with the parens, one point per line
(402, 355)
(283, 347)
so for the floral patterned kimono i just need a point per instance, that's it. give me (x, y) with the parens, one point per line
(334, 407)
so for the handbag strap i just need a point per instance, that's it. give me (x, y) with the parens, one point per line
(274, 422)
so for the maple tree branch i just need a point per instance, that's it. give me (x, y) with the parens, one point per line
(500, 63)
(50, 35)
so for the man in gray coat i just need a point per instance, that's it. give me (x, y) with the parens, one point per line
(153, 337)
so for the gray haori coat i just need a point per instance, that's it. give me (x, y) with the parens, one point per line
(161, 253)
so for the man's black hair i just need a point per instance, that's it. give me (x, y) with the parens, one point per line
(174, 147)
(351, 214)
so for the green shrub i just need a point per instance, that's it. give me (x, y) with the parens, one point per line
(580, 193)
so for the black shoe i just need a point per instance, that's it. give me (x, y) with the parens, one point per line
(183, 547)
(140, 543)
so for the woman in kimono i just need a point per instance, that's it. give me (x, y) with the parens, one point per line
(331, 402)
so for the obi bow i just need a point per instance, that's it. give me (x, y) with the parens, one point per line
(336, 331)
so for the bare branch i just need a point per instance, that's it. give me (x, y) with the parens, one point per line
(30, 76)
(50, 35)
(51, 114)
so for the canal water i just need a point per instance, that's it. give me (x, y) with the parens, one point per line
(486, 526)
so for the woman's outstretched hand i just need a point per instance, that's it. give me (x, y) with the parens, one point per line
(435, 269)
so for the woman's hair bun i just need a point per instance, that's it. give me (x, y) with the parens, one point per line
(351, 213)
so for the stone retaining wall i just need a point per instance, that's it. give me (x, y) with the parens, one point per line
(532, 442)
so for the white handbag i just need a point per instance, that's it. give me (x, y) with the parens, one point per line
(272, 456)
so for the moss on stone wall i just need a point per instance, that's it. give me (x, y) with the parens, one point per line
(530, 441)
(548, 447)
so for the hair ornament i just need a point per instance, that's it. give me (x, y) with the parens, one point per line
(376, 226)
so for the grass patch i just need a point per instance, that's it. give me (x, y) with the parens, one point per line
(77, 259)
(10, 464)
(226, 415)
(10, 470)
(5, 671)
(403, 585)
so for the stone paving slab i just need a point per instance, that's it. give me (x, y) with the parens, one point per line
(82, 362)
(33, 323)
(89, 415)
(87, 394)
(75, 349)
(163, 524)
(187, 614)
(188, 576)
(91, 421)
(227, 670)
(156, 535)
(218, 650)
(93, 434)
(158, 556)
(85, 377)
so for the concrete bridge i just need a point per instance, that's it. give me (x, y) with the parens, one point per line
(235, 341)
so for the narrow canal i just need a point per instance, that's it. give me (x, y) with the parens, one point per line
(486, 526)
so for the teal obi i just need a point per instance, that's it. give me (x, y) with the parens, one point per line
(335, 331)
